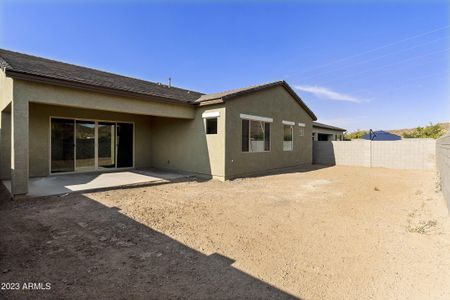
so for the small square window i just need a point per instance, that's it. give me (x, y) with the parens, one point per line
(302, 131)
(211, 126)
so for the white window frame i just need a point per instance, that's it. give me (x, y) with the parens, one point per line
(253, 118)
(292, 135)
(301, 129)
(288, 123)
(256, 118)
(210, 115)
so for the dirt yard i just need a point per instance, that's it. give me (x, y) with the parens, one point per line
(325, 233)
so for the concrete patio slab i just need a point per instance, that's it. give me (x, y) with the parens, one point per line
(62, 184)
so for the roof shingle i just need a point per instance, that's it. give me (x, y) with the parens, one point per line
(15, 62)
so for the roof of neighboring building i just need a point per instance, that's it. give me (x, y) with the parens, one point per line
(251, 89)
(17, 64)
(34, 68)
(321, 125)
(381, 135)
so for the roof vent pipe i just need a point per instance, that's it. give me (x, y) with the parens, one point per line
(170, 82)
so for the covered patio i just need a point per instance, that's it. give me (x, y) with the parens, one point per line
(58, 131)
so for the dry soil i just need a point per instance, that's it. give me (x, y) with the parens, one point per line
(320, 233)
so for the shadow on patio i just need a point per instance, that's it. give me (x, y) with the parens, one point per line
(88, 250)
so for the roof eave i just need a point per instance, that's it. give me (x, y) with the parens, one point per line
(210, 102)
(88, 87)
(329, 128)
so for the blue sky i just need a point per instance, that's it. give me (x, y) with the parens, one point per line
(380, 65)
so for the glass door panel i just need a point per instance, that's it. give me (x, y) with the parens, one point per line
(124, 145)
(62, 145)
(106, 145)
(85, 145)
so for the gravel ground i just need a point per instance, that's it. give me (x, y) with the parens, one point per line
(320, 233)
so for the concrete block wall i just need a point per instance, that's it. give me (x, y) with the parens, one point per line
(403, 154)
(443, 166)
(354, 153)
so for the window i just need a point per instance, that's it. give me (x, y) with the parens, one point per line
(288, 144)
(211, 118)
(302, 131)
(255, 136)
(211, 126)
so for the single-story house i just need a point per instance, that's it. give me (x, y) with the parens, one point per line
(59, 118)
(324, 132)
(381, 135)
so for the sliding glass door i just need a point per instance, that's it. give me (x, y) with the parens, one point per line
(106, 145)
(62, 145)
(85, 145)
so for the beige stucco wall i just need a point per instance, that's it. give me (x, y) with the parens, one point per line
(39, 137)
(6, 95)
(6, 90)
(183, 144)
(5, 144)
(25, 92)
(57, 95)
(274, 103)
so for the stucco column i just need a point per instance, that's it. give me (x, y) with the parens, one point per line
(19, 147)
(5, 146)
